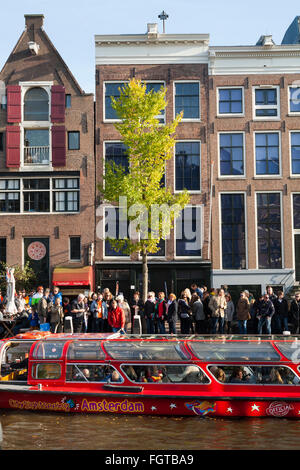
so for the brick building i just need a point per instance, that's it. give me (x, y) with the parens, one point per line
(179, 62)
(254, 144)
(47, 179)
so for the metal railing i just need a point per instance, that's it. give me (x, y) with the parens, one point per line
(36, 155)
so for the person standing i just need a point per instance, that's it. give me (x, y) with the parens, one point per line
(229, 312)
(43, 307)
(243, 313)
(185, 313)
(281, 314)
(217, 305)
(198, 314)
(265, 312)
(56, 317)
(137, 308)
(161, 312)
(149, 311)
(116, 317)
(126, 309)
(172, 312)
(77, 310)
(295, 313)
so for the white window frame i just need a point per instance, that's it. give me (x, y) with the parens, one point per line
(293, 113)
(174, 96)
(295, 231)
(279, 175)
(189, 257)
(292, 175)
(230, 115)
(220, 176)
(256, 107)
(281, 231)
(119, 258)
(244, 193)
(199, 191)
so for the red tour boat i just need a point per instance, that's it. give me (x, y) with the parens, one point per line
(152, 375)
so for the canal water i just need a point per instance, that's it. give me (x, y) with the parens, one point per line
(45, 431)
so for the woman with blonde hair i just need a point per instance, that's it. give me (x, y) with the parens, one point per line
(217, 305)
(172, 311)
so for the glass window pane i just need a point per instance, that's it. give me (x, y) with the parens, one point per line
(92, 373)
(234, 351)
(159, 373)
(85, 351)
(147, 350)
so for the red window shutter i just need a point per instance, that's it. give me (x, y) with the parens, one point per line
(13, 103)
(58, 103)
(58, 146)
(12, 146)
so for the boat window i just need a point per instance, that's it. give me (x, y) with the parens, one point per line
(289, 349)
(14, 361)
(92, 373)
(147, 350)
(85, 350)
(165, 374)
(45, 371)
(259, 375)
(48, 350)
(234, 351)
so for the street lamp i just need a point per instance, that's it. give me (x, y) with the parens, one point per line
(163, 16)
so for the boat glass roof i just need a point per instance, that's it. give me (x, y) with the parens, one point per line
(147, 351)
(289, 349)
(234, 351)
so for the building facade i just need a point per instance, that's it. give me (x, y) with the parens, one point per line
(180, 63)
(47, 179)
(254, 144)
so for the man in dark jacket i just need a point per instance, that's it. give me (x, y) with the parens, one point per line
(265, 311)
(281, 313)
(295, 312)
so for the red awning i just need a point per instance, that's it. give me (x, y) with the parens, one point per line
(73, 276)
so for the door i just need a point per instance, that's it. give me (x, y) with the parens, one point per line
(36, 252)
(297, 257)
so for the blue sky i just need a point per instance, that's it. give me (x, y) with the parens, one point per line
(72, 24)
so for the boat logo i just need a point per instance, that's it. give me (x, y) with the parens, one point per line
(201, 408)
(279, 409)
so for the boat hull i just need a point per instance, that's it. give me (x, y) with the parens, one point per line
(154, 406)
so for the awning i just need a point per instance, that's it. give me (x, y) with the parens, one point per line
(73, 277)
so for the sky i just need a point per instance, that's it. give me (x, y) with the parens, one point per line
(72, 24)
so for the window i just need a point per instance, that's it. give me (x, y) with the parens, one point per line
(189, 232)
(266, 102)
(1, 142)
(187, 99)
(9, 196)
(254, 375)
(116, 153)
(36, 195)
(296, 211)
(36, 146)
(114, 230)
(155, 87)
(85, 351)
(294, 99)
(92, 373)
(36, 105)
(2, 250)
(48, 350)
(44, 371)
(233, 231)
(75, 249)
(112, 90)
(231, 154)
(267, 153)
(187, 166)
(234, 351)
(147, 351)
(295, 152)
(269, 231)
(66, 195)
(162, 373)
(74, 140)
(161, 253)
(68, 101)
(230, 101)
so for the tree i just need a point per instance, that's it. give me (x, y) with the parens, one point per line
(25, 277)
(149, 206)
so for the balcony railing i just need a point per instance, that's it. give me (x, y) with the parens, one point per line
(36, 155)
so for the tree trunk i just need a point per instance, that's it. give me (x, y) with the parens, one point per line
(145, 274)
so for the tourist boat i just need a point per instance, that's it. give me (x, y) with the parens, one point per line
(214, 376)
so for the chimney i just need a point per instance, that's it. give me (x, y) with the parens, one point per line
(34, 22)
(152, 30)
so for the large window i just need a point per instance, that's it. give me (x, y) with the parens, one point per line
(189, 232)
(115, 229)
(232, 154)
(36, 195)
(116, 153)
(36, 146)
(230, 101)
(295, 152)
(233, 231)
(2, 250)
(267, 150)
(294, 99)
(92, 373)
(269, 231)
(266, 102)
(155, 87)
(74, 140)
(9, 196)
(66, 195)
(147, 350)
(234, 351)
(36, 105)
(187, 166)
(296, 211)
(187, 99)
(162, 373)
(75, 248)
(112, 90)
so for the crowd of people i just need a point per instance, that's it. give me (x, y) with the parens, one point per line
(197, 311)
